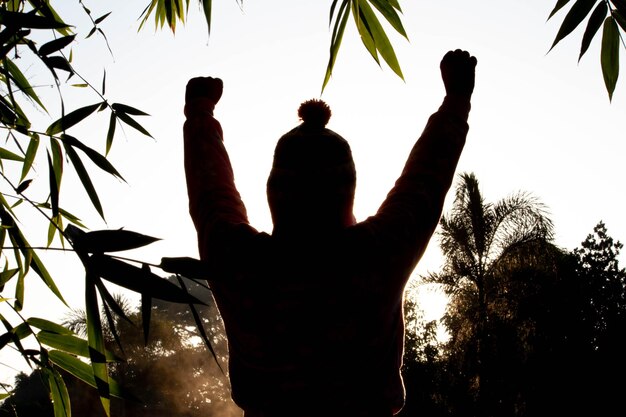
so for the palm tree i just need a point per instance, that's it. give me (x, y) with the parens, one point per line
(475, 237)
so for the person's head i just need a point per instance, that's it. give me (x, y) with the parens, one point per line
(312, 183)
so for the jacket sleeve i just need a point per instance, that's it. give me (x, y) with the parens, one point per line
(410, 213)
(214, 202)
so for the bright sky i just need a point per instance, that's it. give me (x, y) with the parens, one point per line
(540, 122)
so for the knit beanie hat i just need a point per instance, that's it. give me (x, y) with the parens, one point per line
(311, 157)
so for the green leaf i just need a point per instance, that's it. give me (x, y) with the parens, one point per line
(71, 344)
(29, 20)
(100, 241)
(57, 62)
(101, 18)
(577, 13)
(337, 36)
(381, 41)
(6, 275)
(390, 14)
(138, 280)
(48, 326)
(83, 175)
(31, 152)
(595, 21)
(206, 7)
(132, 123)
(118, 107)
(95, 339)
(23, 186)
(95, 157)
(364, 31)
(609, 55)
(21, 81)
(557, 7)
(58, 393)
(200, 325)
(110, 132)
(6, 154)
(71, 119)
(82, 371)
(620, 18)
(55, 45)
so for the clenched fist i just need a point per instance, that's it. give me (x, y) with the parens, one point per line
(458, 73)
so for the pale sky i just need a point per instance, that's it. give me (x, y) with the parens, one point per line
(540, 122)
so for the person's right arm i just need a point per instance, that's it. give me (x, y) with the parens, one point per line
(214, 202)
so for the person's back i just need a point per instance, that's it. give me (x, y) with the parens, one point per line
(313, 312)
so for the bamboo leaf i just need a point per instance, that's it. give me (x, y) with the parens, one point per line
(54, 187)
(100, 241)
(21, 81)
(390, 14)
(609, 55)
(200, 325)
(128, 109)
(58, 62)
(56, 45)
(6, 154)
(95, 157)
(48, 326)
(364, 31)
(31, 152)
(101, 18)
(132, 123)
(82, 371)
(574, 17)
(72, 344)
(29, 20)
(381, 41)
(58, 393)
(110, 132)
(71, 119)
(338, 31)
(138, 280)
(595, 21)
(6, 275)
(23, 186)
(95, 339)
(83, 175)
(207, 5)
(557, 7)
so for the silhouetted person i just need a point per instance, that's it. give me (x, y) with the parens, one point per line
(313, 312)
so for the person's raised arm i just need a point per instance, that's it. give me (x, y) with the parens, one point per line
(213, 198)
(413, 207)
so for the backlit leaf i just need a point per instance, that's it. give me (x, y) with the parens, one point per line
(31, 152)
(95, 157)
(58, 393)
(381, 41)
(337, 36)
(557, 7)
(21, 81)
(6, 154)
(100, 241)
(595, 21)
(56, 45)
(577, 13)
(83, 175)
(138, 280)
(128, 109)
(71, 119)
(609, 55)
(132, 123)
